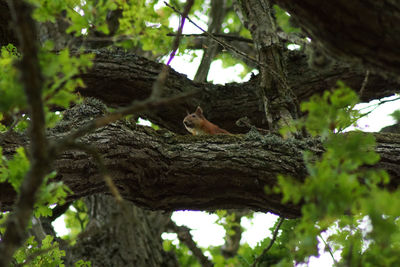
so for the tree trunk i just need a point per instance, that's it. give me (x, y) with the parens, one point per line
(121, 235)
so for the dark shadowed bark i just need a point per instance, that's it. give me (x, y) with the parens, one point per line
(360, 31)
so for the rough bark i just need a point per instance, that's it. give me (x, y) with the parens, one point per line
(163, 171)
(360, 31)
(279, 102)
(118, 78)
(121, 236)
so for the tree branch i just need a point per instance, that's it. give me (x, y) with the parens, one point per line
(162, 171)
(118, 78)
(186, 238)
(32, 81)
(274, 235)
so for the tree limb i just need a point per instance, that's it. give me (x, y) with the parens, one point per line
(118, 78)
(32, 81)
(162, 171)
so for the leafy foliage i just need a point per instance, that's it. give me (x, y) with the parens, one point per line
(76, 219)
(48, 254)
(13, 171)
(340, 192)
(396, 115)
(12, 96)
(183, 254)
(50, 193)
(283, 20)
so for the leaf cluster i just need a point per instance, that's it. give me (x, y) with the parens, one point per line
(342, 194)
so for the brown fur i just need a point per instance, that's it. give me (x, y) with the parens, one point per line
(197, 124)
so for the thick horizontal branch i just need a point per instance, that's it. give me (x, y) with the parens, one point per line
(118, 78)
(163, 171)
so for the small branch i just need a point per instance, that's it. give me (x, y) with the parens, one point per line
(175, 45)
(329, 249)
(102, 168)
(162, 77)
(375, 106)
(32, 82)
(229, 37)
(58, 211)
(364, 84)
(61, 144)
(186, 238)
(274, 236)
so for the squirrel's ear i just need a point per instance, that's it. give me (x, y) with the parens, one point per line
(187, 112)
(199, 111)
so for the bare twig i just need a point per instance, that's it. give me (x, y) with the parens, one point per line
(381, 102)
(274, 235)
(32, 82)
(162, 77)
(328, 248)
(229, 37)
(62, 144)
(186, 238)
(102, 168)
(364, 83)
(175, 45)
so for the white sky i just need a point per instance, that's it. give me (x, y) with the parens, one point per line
(205, 232)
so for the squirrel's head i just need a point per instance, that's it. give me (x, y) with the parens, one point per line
(193, 120)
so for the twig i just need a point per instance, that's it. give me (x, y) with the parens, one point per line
(102, 168)
(220, 35)
(381, 102)
(329, 248)
(364, 83)
(375, 106)
(60, 145)
(274, 235)
(186, 238)
(175, 45)
(162, 77)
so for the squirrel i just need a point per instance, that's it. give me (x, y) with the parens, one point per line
(197, 124)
